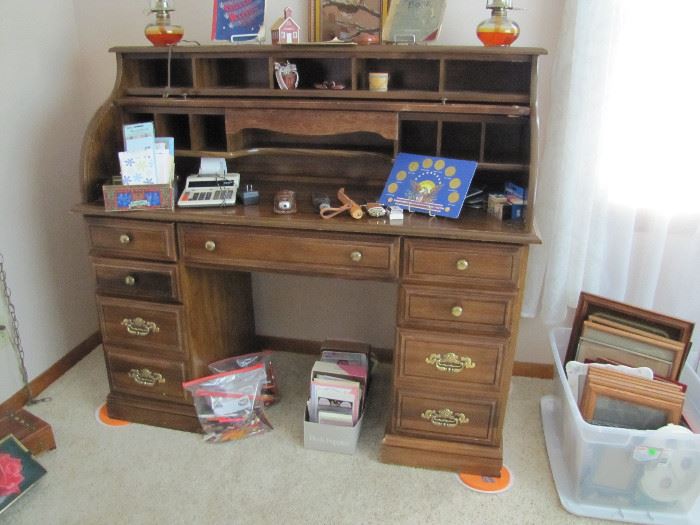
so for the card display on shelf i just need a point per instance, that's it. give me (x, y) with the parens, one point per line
(128, 198)
(432, 185)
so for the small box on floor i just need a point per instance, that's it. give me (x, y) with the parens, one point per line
(34, 433)
(338, 391)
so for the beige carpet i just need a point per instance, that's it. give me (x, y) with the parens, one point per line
(140, 474)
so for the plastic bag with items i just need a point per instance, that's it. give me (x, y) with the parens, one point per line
(270, 393)
(229, 404)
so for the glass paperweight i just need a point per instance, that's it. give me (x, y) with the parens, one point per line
(498, 30)
(163, 32)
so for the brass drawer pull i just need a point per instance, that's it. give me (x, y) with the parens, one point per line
(462, 265)
(210, 246)
(356, 256)
(124, 238)
(145, 377)
(445, 417)
(457, 311)
(130, 280)
(450, 362)
(140, 327)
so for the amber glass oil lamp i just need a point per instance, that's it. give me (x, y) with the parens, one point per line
(498, 30)
(163, 32)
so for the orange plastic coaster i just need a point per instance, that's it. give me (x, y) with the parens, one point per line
(102, 417)
(488, 484)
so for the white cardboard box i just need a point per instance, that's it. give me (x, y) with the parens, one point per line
(639, 476)
(331, 438)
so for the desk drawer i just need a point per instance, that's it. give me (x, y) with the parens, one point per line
(146, 326)
(142, 280)
(298, 252)
(484, 312)
(457, 360)
(145, 375)
(435, 417)
(462, 263)
(134, 239)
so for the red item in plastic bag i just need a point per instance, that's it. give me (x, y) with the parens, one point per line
(229, 404)
(270, 393)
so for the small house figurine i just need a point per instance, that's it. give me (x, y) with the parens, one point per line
(285, 30)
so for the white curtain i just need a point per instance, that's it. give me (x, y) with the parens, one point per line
(618, 197)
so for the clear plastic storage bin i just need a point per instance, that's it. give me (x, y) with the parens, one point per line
(640, 476)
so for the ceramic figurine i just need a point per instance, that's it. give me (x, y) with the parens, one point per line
(285, 30)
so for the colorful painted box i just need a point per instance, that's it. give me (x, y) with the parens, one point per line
(139, 197)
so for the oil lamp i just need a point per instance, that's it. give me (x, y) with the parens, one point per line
(498, 30)
(163, 32)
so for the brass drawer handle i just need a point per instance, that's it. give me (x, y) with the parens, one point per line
(462, 265)
(457, 311)
(445, 417)
(145, 377)
(356, 256)
(450, 362)
(140, 327)
(210, 246)
(130, 280)
(124, 238)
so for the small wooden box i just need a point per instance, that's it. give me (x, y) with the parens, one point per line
(34, 433)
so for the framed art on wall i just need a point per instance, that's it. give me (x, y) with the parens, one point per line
(347, 20)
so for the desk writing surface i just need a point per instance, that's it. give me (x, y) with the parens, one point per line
(474, 225)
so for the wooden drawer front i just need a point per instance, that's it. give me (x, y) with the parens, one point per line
(436, 307)
(459, 360)
(135, 239)
(462, 263)
(368, 257)
(436, 417)
(140, 280)
(145, 375)
(141, 325)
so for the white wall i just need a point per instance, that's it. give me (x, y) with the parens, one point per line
(43, 119)
(58, 80)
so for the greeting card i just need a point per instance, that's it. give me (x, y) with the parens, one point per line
(138, 167)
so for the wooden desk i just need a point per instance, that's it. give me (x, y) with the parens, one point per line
(174, 289)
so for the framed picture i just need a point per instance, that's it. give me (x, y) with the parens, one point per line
(19, 471)
(613, 329)
(613, 399)
(347, 20)
(237, 21)
(414, 21)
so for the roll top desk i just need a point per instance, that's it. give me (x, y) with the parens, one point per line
(174, 288)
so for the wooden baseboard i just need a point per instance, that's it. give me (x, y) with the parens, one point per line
(534, 370)
(302, 346)
(60, 367)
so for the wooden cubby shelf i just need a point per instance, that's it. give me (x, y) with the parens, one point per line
(223, 101)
